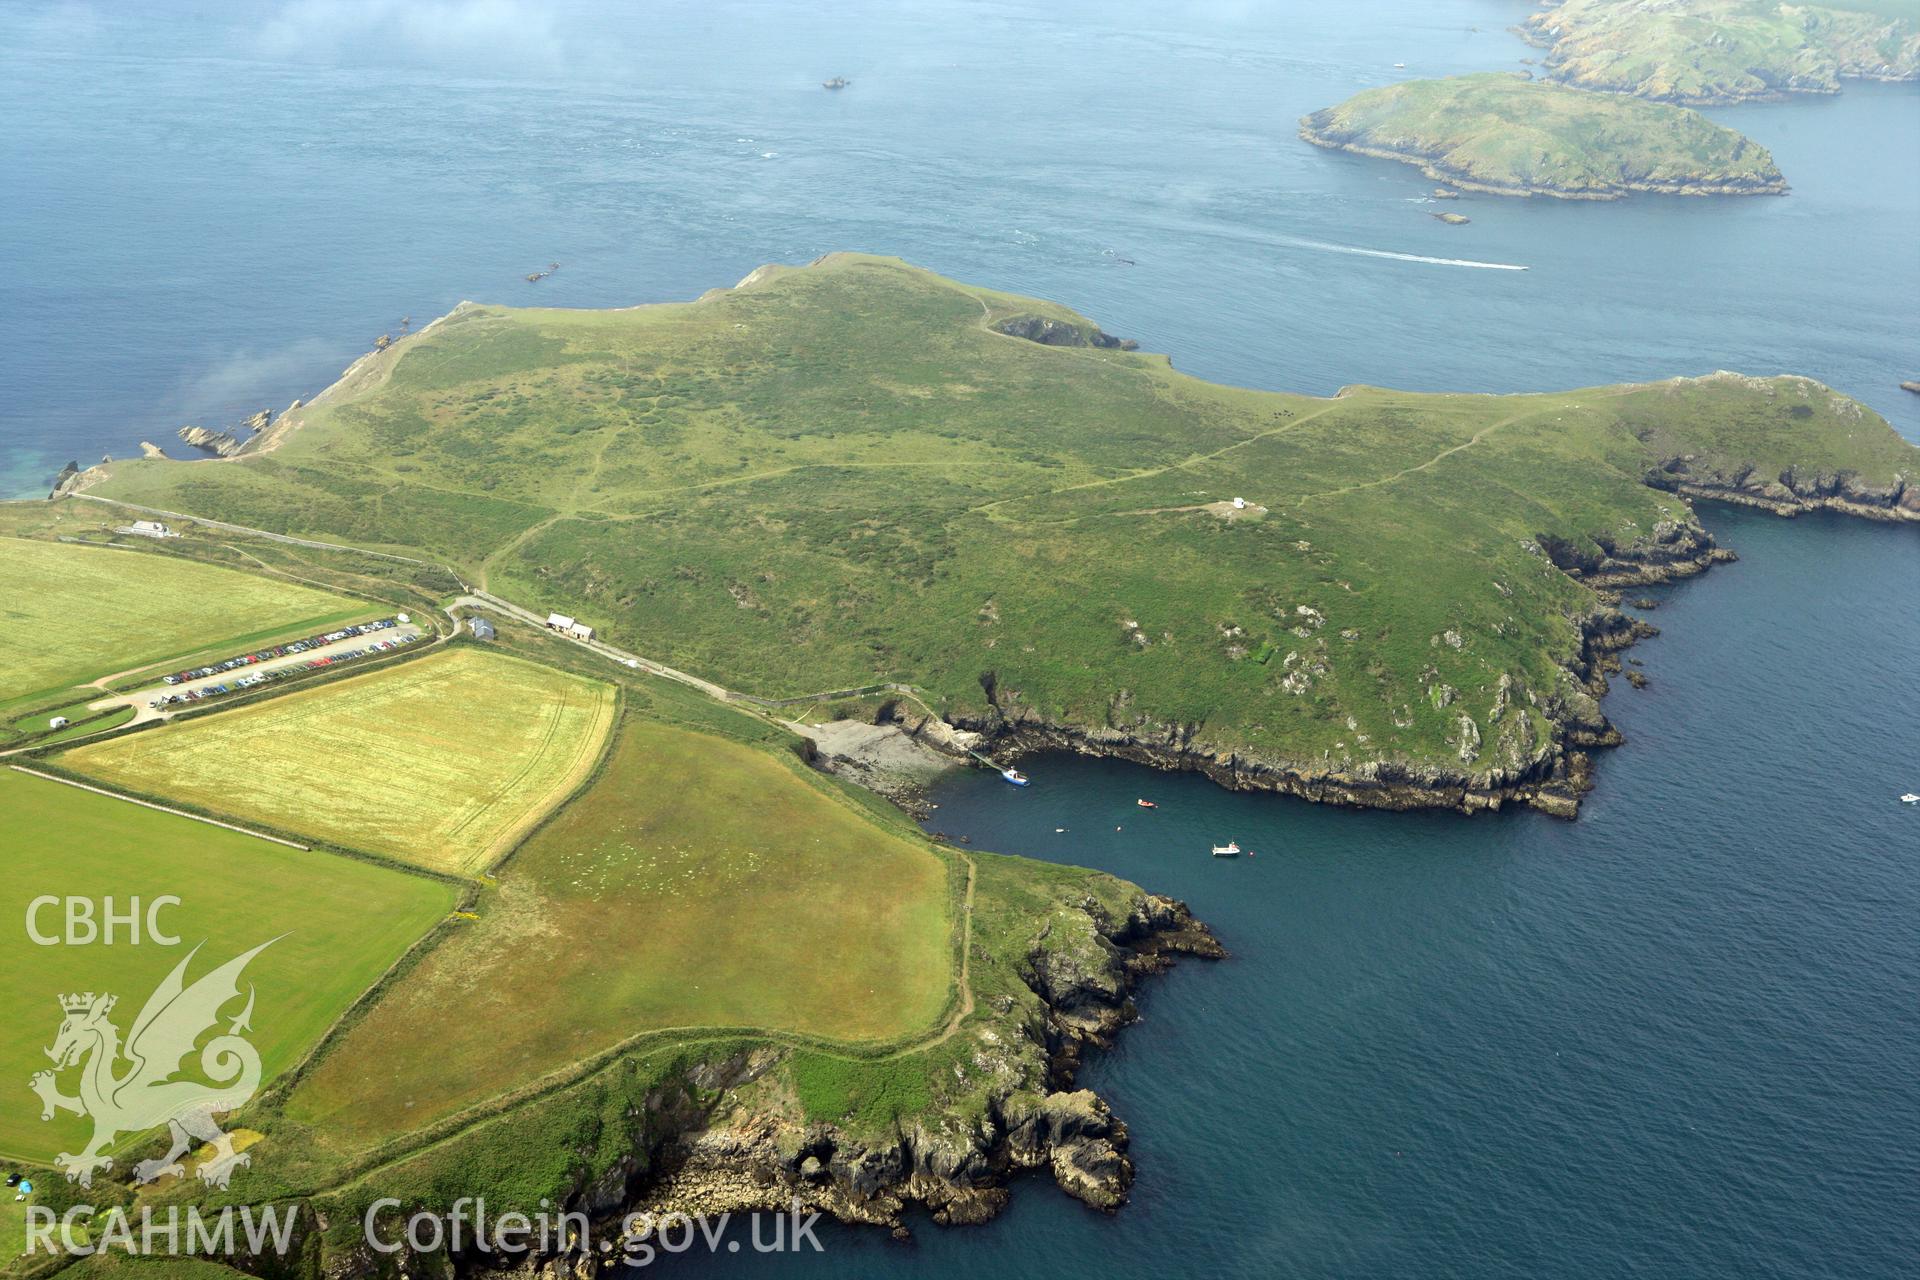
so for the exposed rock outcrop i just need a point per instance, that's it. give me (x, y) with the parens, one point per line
(883, 757)
(225, 444)
(1549, 780)
(1789, 492)
(152, 451)
(1671, 550)
(1059, 333)
(222, 444)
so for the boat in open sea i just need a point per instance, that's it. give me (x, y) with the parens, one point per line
(1231, 849)
(1910, 798)
(1146, 804)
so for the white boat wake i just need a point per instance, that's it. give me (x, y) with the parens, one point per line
(1325, 247)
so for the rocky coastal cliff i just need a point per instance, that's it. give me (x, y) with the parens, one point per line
(754, 1151)
(1550, 775)
(1049, 332)
(221, 444)
(723, 1126)
(1790, 492)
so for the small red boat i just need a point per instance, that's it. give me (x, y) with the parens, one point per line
(1146, 804)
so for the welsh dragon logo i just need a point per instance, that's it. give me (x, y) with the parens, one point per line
(143, 1094)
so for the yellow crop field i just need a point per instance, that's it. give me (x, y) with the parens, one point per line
(443, 762)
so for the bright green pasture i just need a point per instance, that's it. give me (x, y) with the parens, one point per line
(339, 923)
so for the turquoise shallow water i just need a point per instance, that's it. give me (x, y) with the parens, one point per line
(1676, 1038)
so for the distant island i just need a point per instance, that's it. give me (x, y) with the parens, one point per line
(1698, 52)
(859, 475)
(1514, 136)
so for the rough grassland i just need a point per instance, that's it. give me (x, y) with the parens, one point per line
(1514, 136)
(700, 882)
(443, 762)
(345, 922)
(1705, 51)
(71, 613)
(844, 473)
(113, 1264)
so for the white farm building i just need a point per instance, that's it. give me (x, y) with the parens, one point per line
(568, 627)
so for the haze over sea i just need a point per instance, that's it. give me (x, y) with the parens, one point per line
(1677, 1038)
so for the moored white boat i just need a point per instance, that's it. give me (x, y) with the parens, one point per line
(1014, 776)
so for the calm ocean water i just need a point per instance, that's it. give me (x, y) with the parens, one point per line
(1677, 1038)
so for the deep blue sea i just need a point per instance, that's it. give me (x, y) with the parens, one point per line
(1680, 1037)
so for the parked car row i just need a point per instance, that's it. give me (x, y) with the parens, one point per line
(281, 650)
(255, 678)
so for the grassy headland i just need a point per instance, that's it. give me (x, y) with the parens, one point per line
(1715, 51)
(1509, 135)
(716, 979)
(852, 472)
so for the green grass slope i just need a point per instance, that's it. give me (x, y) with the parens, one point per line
(1514, 136)
(698, 883)
(847, 473)
(1708, 51)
